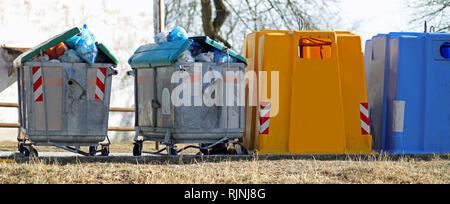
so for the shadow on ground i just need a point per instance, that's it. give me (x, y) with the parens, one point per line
(190, 159)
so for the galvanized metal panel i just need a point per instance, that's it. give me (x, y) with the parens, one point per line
(144, 78)
(187, 124)
(53, 88)
(68, 114)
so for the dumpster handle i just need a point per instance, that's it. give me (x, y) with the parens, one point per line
(228, 58)
(131, 73)
(114, 71)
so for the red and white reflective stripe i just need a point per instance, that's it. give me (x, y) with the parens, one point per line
(38, 85)
(100, 84)
(195, 77)
(264, 118)
(234, 77)
(365, 121)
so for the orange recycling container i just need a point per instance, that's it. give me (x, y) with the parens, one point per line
(312, 96)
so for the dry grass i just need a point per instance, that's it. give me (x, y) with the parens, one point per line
(229, 172)
(375, 170)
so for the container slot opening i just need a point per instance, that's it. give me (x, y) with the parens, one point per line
(313, 48)
(445, 50)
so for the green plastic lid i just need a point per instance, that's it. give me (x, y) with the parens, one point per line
(166, 53)
(158, 55)
(206, 41)
(29, 54)
(107, 52)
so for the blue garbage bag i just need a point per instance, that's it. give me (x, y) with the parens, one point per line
(86, 47)
(196, 49)
(178, 33)
(222, 57)
(72, 42)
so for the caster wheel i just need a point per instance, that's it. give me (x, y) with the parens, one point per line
(105, 151)
(219, 149)
(26, 152)
(92, 151)
(21, 148)
(137, 149)
(240, 150)
(32, 152)
(204, 151)
(172, 151)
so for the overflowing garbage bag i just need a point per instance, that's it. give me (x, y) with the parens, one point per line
(161, 37)
(39, 58)
(206, 53)
(178, 33)
(86, 47)
(222, 57)
(80, 48)
(56, 51)
(71, 56)
(205, 57)
(198, 50)
(186, 57)
(72, 42)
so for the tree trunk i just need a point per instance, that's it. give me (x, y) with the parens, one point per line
(210, 27)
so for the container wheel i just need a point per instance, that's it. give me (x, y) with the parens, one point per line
(137, 149)
(172, 151)
(105, 151)
(219, 149)
(34, 152)
(92, 151)
(204, 151)
(26, 152)
(240, 150)
(21, 148)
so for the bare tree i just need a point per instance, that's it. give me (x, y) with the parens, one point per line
(436, 12)
(212, 28)
(229, 21)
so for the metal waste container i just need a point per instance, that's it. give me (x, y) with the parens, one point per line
(64, 104)
(159, 119)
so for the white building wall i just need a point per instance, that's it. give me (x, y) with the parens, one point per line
(121, 25)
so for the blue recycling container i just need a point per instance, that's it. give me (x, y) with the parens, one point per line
(408, 78)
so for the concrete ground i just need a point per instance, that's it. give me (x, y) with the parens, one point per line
(59, 154)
